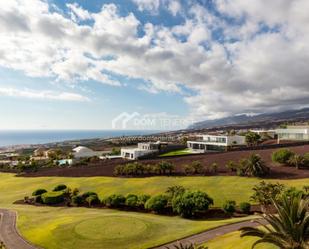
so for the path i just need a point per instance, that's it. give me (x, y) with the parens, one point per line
(210, 234)
(8, 232)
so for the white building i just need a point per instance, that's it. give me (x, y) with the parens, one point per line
(141, 150)
(216, 142)
(84, 152)
(294, 132)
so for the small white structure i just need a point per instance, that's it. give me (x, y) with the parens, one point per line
(84, 152)
(216, 142)
(293, 132)
(141, 150)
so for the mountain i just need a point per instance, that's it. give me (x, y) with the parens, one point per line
(261, 120)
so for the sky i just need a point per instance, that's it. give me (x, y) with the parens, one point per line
(149, 64)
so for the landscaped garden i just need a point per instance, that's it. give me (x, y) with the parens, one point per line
(62, 227)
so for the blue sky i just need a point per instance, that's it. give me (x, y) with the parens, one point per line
(79, 64)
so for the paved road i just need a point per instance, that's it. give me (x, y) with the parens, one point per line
(210, 234)
(8, 232)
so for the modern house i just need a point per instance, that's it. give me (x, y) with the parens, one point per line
(141, 150)
(216, 142)
(294, 133)
(84, 152)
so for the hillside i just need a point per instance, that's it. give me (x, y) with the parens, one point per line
(262, 120)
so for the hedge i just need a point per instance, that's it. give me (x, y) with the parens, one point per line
(39, 192)
(54, 197)
(60, 187)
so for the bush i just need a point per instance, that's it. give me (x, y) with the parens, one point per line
(191, 202)
(54, 197)
(92, 200)
(157, 203)
(38, 199)
(39, 192)
(229, 207)
(188, 169)
(142, 199)
(197, 167)
(245, 207)
(282, 156)
(232, 166)
(115, 201)
(131, 200)
(89, 193)
(77, 200)
(60, 187)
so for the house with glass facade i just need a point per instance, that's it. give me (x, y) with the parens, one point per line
(294, 133)
(216, 142)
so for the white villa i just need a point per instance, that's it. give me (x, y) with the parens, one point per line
(294, 132)
(141, 150)
(84, 152)
(216, 142)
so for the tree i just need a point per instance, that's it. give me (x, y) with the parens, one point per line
(174, 191)
(189, 246)
(287, 230)
(157, 203)
(264, 193)
(252, 138)
(191, 202)
(296, 161)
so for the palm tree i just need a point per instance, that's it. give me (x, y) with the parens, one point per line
(254, 166)
(296, 161)
(189, 246)
(289, 229)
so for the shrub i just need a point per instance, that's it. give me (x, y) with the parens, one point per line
(188, 169)
(306, 159)
(38, 199)
(191, 202)
(77, 200)
(245, 207)
(60, 187)
(197, 167)
(142, 199)
(131, 200)
(214, 167)
(296, 161)
(115, 201)
(39, 192)
(282, 156)
(293, 192)
(92, 200)
(157, 203)
(119, 170)
(254, 166)
(54, 197)
(229, 206)
(164, 166)
(232, 166)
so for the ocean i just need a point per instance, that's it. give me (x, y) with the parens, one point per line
(8, 138)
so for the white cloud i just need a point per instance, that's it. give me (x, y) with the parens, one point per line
(254, 61)
(43, 95)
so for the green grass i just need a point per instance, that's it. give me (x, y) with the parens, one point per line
(233, 240)
(177, 153)
(68, 228)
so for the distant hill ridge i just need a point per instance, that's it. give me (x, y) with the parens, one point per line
(261, 120)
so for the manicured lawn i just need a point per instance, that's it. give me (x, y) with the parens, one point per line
(68, 228)
(232, 241)
(177, 153)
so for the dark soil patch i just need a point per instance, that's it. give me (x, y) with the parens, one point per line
(106, 168)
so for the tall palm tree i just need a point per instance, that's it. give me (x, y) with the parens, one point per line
(289, 229)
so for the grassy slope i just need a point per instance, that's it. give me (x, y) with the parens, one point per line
(232, 241)
(48, 226)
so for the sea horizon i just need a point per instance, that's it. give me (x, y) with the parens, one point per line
(40, 136)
